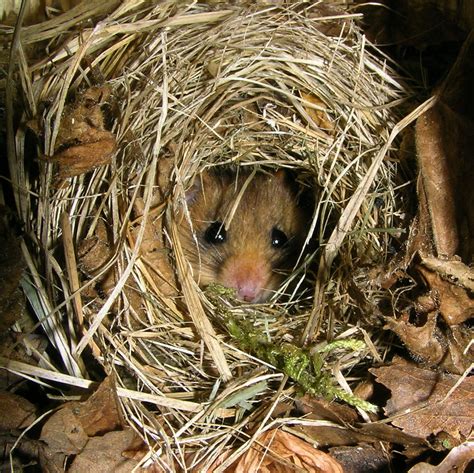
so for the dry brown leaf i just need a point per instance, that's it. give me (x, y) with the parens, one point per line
(452, 286)
(425, 342)
(83, 158)
(420, 403)
(104, 454)
(153, 249)
(138, 449)
(49, 463)
(460, 348)
(460, 459)
(444, 140)
(439, 182)
(20, 347)
(62, 435)
(24, 454)
(101, 412)
(276, 451)
(446, 346)
(340, 435)
(455, 303)
(21, 413)
(93, 254)
(453, 270)
(383, 432)
(95, 251)
(445, 223)
(332, 435)
(83, 120)
(318, 408)
(68, 431)
(82, 143)
(326, 11)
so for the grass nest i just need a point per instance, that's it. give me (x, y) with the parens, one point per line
(129, 104)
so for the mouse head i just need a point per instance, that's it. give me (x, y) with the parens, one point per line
(247, 231)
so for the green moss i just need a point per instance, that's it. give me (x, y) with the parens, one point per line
(307, 367)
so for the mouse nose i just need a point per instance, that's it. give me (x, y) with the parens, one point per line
(248, 275)
(248, 291)
(249, 283)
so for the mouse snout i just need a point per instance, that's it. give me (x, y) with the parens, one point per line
(249, 278)
(248, 290)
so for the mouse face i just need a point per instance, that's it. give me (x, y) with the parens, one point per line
(248, 231)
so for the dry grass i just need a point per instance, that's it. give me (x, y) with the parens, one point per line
(276, 87)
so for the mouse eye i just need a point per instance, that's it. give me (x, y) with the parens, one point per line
(279, 238)
(215, 233)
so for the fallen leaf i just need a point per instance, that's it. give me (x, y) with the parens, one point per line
(63, 432)
(441, 242)
(83, 118)
(21, 413)
(442, 235)
(444, 140)
(70, 429)
(460, 347)
(420, 404)
(104, 454)
(154, 252)
(61, 436)
(276, 451)
(138, 449)
(448, 347)
(82, 143)
(49, 462)
(334, 435)
(24, 454)
(20, 347)
(455, 304)
(425, 342)
(325, 13)
(460, 459)
(452, 269)
(318, 408)
(101, 412)
(94, 252)
(82, 158)
(376, 431)
(438, 178)
(453, 283)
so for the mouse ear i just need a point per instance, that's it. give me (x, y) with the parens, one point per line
(304, 195)
(193, 192)
(286, 177)
(202, 183)
(280, 175)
